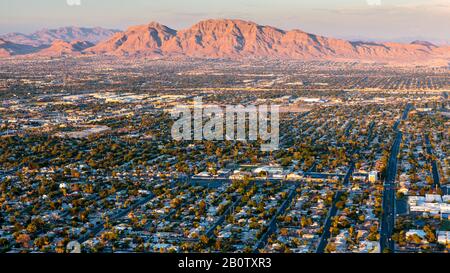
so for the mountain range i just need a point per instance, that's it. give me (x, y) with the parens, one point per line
(68, 34)
(221, 38)
(8, 49)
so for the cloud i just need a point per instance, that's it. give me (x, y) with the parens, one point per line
(380, 6)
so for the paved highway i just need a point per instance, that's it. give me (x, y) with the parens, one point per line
(273, 223)
(389, 199)
(210, 232)
(388, 217)
(332, 213)
(100, 227)
(435, 171)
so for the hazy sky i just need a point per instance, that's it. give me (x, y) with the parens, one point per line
(377, 19)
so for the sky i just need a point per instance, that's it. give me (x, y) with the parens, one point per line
(381, 20)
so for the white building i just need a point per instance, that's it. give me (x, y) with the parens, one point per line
(417, 232)
(430, 203)
(373, 176)
(444, 237)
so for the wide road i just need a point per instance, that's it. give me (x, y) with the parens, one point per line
(120, 214)
(332, 213)
(273, 223)
(210, 232)
(435, 171)
(389, 199)
(388, 217)
(347, 130)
